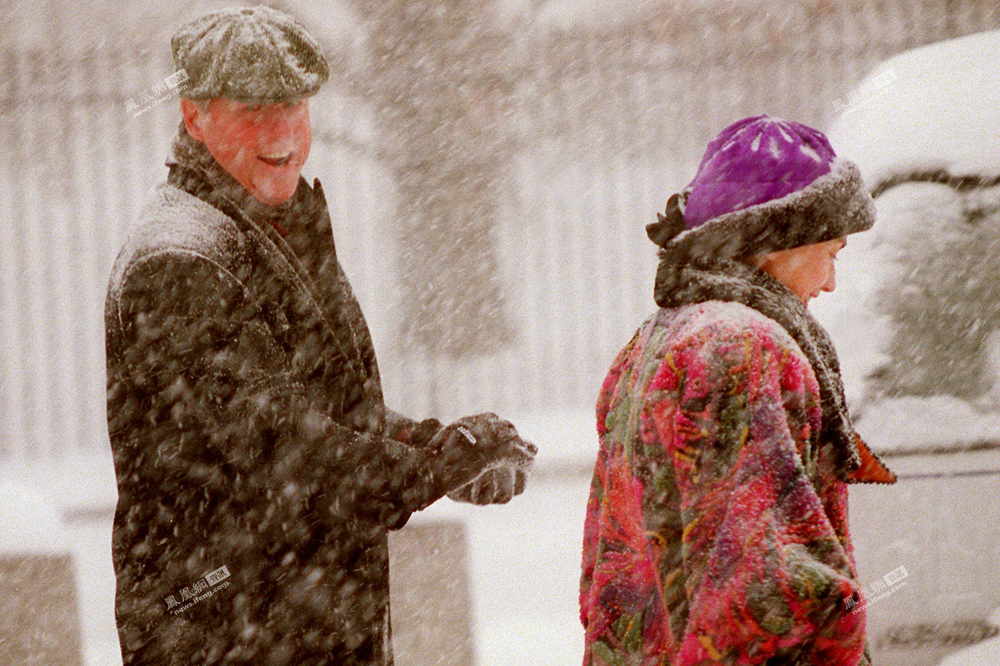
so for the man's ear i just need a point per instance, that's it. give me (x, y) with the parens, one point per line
(193, 117)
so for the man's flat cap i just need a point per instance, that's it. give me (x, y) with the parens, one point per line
(249, 54)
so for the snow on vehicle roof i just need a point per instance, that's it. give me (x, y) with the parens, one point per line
(935, 108)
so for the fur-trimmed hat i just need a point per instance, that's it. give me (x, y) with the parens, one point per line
(254, 55)
(765, 184)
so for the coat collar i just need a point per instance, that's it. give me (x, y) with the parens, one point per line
(195, 171)
(681, 282)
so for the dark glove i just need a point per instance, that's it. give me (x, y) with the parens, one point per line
(496, 486)
(417, 434)
(423, 433)
(476, 446)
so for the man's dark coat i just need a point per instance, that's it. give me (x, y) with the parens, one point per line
(248, 429)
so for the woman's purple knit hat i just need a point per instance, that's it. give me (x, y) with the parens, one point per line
(752, 161)
(764, 184)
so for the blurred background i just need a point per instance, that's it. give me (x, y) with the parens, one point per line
(490, 166)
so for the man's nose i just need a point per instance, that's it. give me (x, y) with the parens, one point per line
(277, 120)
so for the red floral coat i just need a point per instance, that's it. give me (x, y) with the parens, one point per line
(716, 530)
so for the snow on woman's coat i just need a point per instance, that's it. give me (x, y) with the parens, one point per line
(716, 528)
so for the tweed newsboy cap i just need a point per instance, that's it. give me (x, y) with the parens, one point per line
(248, 54)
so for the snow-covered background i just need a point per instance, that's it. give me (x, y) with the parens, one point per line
(596, 112)
(915, 321)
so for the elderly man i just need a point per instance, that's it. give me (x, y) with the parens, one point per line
(258, 467)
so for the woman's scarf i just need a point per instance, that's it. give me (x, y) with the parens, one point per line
(686, 276)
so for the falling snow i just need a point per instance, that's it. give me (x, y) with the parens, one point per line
(489, 166)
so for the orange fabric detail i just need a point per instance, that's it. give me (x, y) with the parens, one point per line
(872, 469)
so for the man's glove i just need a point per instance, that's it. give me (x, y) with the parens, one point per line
(481, 459)
(496, 486)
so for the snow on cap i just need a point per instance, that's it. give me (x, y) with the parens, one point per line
(752, 161)
(248, 54)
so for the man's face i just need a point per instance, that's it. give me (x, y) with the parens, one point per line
(262, 146)
(806, 270)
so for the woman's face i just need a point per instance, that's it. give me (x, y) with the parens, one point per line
(806, 270)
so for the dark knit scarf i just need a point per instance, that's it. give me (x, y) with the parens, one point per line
(705, 264)
(680, 283)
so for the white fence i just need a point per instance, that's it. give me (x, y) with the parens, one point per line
(607, 125)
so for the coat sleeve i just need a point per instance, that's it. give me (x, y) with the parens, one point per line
(203, 393)
(596, 498)
(766, 572)
(410, 431)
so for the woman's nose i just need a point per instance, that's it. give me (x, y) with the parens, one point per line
(831, 281)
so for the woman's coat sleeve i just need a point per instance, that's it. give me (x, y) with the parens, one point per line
(766, 571)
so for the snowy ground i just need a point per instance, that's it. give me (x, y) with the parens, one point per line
(986, 653)
(72, 503)
(525, 560)
(942, 523)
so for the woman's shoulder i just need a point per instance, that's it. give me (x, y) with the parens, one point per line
(718, 319)
(717, 326)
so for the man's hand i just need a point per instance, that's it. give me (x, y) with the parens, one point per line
(482, 459)
(496, 486)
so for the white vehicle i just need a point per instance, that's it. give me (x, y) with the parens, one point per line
(917, 323)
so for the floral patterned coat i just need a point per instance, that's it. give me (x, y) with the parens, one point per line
(716, 529)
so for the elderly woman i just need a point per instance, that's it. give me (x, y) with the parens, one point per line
(716, 529)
